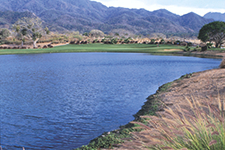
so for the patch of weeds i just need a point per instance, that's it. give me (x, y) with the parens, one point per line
(186, 76)
(149, 108)
(110, 139)
(164, 87)
(105, 141)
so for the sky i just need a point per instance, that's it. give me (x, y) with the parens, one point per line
(179, 7)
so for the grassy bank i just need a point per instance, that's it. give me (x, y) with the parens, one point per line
(152, 105)
(125, 48)
(112, 139)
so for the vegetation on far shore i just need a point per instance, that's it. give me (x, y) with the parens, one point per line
(97, 47)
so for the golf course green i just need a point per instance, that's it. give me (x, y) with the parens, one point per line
(124, 48)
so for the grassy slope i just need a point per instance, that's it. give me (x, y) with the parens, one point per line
(132, 48)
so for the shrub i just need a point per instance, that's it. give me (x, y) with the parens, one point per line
(114, 41)
(209, 45)
(85, 34)
(97, 33)
(127, 40)
(187, 49)
(192, 125)
(162, 41)
(79, 37)
(152, 41)
(222, 65)
(177, 42)
(103, 40)
(189, 44)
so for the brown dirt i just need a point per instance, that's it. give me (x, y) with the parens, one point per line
(31, 46)
(207, 53)
(203, 86)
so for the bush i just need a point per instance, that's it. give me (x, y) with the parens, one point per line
(222, 65)
(162, 41)
(127, 40)
(106, 141)
(209, 45)
(187, 49)
(189, 44)
(114, 41)
(177, 42)
(152, 41)
(79, 37)
(97, 33)
(103, 40)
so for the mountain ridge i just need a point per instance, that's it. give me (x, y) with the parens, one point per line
(215, 15)
(85, 15)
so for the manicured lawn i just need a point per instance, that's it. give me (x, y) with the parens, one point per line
(125, 48)
(217, 49)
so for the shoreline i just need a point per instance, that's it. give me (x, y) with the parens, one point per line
(203, 86)
(157, 102)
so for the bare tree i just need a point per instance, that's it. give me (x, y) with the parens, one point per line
(31, 28)
(4, 33)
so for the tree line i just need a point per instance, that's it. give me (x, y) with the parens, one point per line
(32, 29)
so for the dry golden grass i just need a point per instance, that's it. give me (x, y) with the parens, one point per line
(192, 125)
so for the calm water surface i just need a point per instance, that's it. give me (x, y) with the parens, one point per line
(62, 101)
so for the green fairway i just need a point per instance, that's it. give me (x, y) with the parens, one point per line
(125, 48)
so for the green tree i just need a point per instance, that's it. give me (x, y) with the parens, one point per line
(162, 41)
(47, 30)
(114, 41)
(209, 45)
(117, 34)
(85, 34)
(187, 49)
(31, 28)
(4, 33)
(213, 32)
(152, 41)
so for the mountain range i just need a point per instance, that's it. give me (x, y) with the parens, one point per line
(85, 15)
(215, 15)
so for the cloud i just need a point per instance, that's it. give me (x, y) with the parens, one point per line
(178, 7)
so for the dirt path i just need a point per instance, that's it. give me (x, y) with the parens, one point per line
(31, 46)
(203, 86)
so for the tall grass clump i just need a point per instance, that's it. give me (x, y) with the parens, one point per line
(193, 125)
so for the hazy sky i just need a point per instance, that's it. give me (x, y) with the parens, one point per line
(179, 7)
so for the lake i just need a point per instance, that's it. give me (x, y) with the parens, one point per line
(63, 100)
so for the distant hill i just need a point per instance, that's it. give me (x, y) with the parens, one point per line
(85, 15)
(193, 21)
(215, 15)
(8, 18)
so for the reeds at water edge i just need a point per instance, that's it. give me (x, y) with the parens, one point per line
(191, 125)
